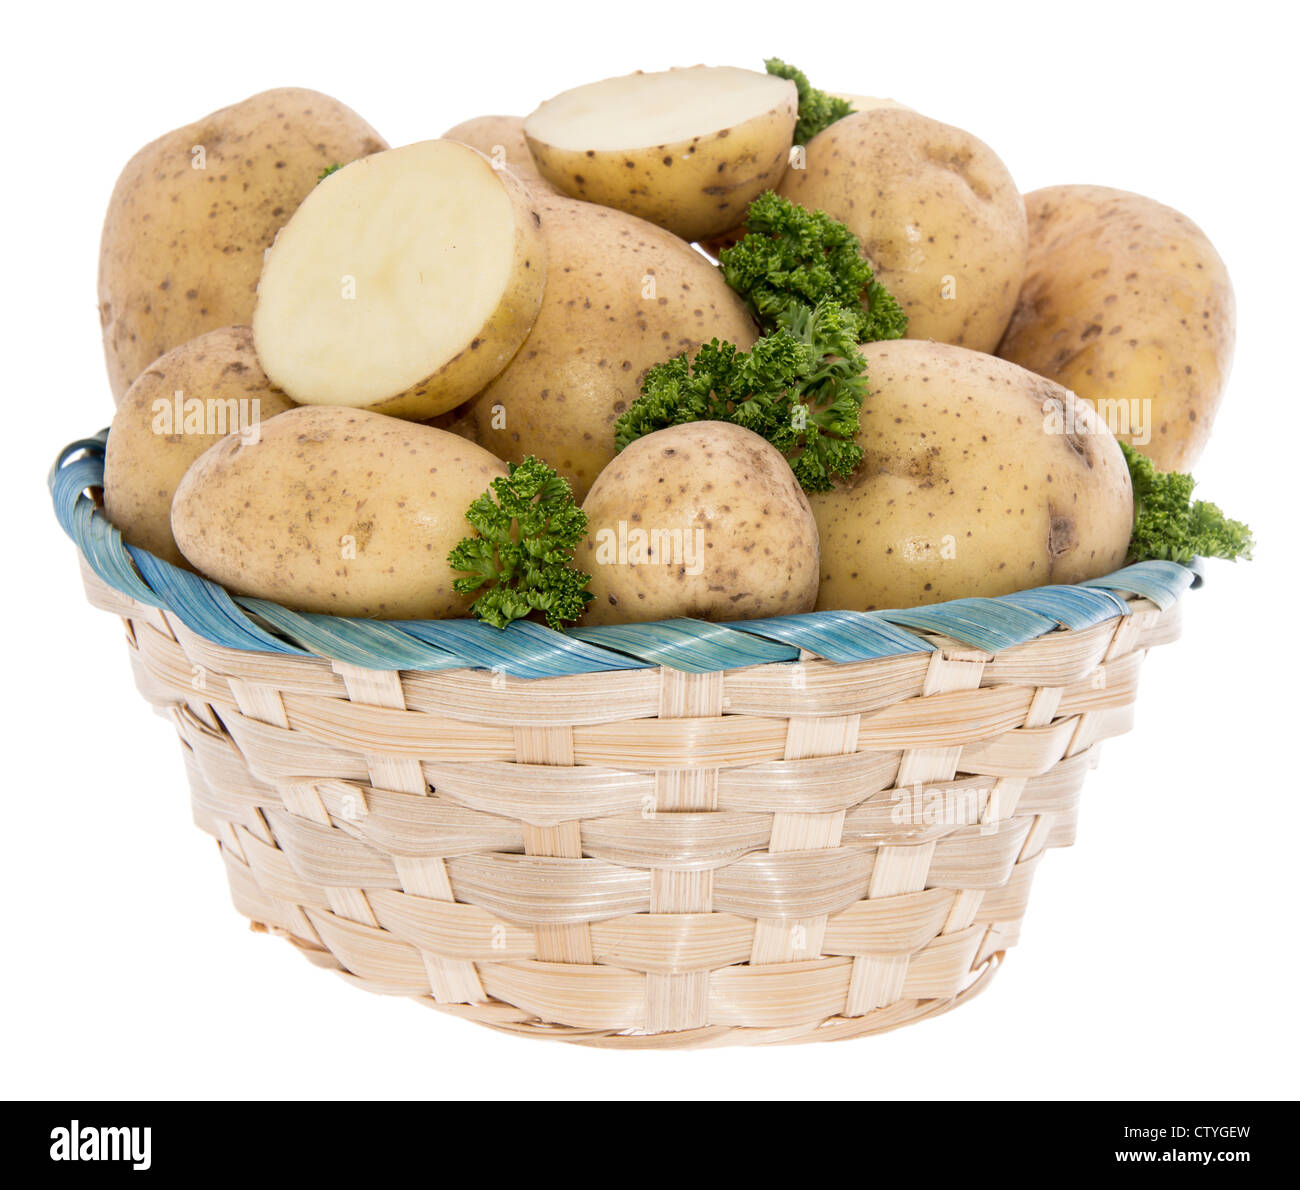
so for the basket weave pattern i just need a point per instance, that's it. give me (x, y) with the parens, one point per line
(648, 857)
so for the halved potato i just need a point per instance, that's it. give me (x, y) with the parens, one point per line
(403, 283)
(688, 149)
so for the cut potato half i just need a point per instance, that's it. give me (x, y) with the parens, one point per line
(403, 283)
(688, 149)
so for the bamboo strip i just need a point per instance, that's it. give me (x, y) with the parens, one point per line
(677, 1000)
(450, 980)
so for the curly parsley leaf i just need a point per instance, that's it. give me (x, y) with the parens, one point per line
(800, 387)
(817, 109)
(1170, 525)
(791, 254)
(528, 526)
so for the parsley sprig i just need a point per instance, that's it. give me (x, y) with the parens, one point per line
(793, 254)
(817, 109)
(528, 526)
(1169, 524)
(800, 387)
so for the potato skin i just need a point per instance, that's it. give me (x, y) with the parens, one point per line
(143, 464)
(694, 188)
(966, 487)
(757, 540)
(274, 519)
(487, 133)
(936, 212)
(181, 249)
(1126, 298)
(597, 334)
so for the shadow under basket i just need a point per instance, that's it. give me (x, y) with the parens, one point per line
(664, 835)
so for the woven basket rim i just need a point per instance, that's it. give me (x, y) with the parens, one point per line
(530, 650)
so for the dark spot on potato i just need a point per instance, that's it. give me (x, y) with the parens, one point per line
(1062, 536)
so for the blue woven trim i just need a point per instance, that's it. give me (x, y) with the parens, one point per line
(528, 650)
(841, 635)
(1072, 607)
(1160, 582)
(988, 624)
(524, 649)
(204, 607)
(695, 646)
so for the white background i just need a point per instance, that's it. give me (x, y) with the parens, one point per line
(1159, 954)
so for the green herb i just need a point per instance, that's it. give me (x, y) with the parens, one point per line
(800, 387)
(524, 548)
(329, 169)
(817, 110)
(790, 254)
(1169, 524)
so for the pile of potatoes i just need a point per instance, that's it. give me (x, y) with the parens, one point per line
(323, 349)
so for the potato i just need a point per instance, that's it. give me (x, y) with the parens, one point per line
(1126, 302)
(703, 520)
(403, 284)
(688, 149)
(193, 212)
(978, 478)
(335, 510)
(180, 405)
(936, 212)
(501, 140)
(623, 295)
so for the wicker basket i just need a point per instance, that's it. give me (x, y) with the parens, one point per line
(652, 836)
